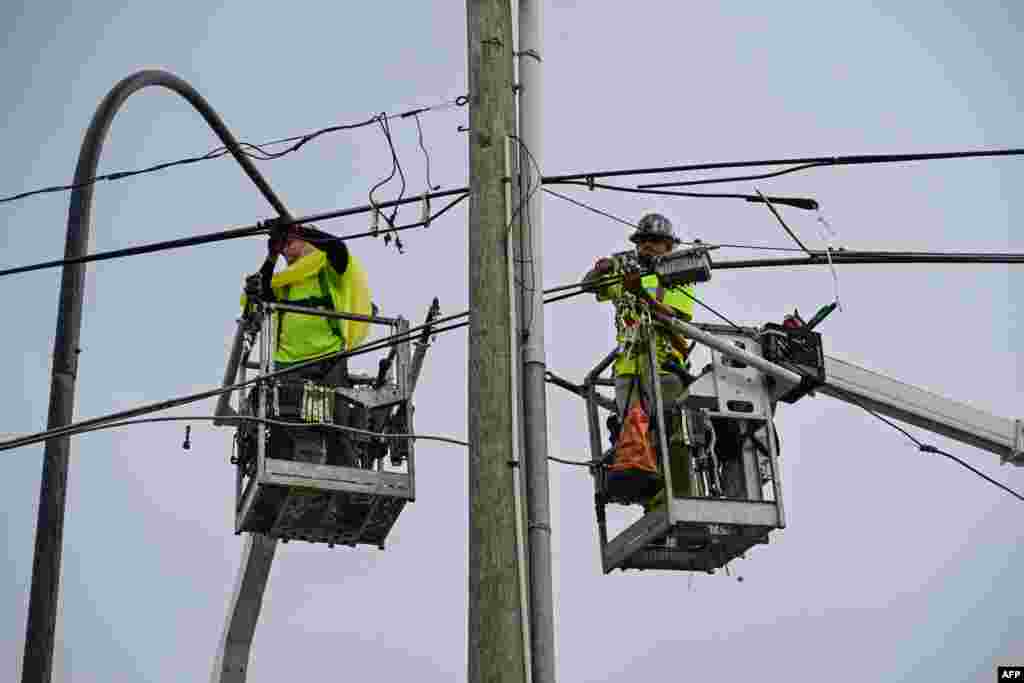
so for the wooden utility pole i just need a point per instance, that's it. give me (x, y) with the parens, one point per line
(495, 629)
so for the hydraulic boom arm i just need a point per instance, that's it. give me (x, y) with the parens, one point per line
(852, 384)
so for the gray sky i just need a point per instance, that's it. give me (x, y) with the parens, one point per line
(895, 565)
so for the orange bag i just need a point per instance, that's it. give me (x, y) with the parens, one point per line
(633, 477)
(634, 450)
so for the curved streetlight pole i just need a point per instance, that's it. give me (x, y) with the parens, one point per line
(42, 610)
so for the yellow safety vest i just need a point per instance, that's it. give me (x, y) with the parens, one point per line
(626, 364)
(303, 337)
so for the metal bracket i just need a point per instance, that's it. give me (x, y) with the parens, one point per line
(528, 53)
(1018, 443)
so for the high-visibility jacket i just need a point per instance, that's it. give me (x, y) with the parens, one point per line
(626, 363)
(312, 281)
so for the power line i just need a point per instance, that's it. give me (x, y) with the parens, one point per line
(260, 228)
(923, 447)
(843, 256)
(736, 179)
(849, 160)
(253, 418)
(601, 212)
(251, 150)
(368, 347)
(804, 203)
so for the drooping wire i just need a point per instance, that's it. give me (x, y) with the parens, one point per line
(396, 168)
(526, 228)
(426, 154)
(601, 212)
(367, 347)
(805, 203)
(848, 160)
(270, 421)
(255, 151)
(713, 311)
(921, 446)
(734, 179)
(386, 128)
(778, 217)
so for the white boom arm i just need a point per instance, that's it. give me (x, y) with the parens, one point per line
(852, 384)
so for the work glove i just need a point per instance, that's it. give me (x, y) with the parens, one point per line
(632, 282)
(253, 285)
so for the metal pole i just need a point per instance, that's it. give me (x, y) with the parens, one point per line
(42, 609)
(495, 643)
(531, 346)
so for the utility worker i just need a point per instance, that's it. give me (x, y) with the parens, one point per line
(653, 237)
(325, 276)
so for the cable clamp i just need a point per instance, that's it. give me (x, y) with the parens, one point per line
(1016, 454)
(375, 221)
(425, 215)
(927, 448)
(590, 182)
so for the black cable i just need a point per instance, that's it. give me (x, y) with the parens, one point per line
(600, 212)
(921, 446)
(398, 228)
(711, 309)
(252, 150)
(386, 128)
(248, 231)
(925, 448)
(584, 463)
(733, 179)
(192, 398)
(219, 152)
(797, 202)
(849, 160)
(426, 154)
(591, 208)
(524, 208)
(842, 256)
(144, 249)
(379, 184)
(778, 217)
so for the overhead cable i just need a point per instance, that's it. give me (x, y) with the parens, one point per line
(849, 160)
(158, 406)
(923, 447)
(252, 150)
(260, 228)
(253, 418)
(804, 203)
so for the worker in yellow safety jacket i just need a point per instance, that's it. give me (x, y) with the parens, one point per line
(324, 276)
(653, 237)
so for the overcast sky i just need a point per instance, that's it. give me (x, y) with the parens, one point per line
(895, 565)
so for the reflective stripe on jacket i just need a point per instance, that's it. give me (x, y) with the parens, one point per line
(673, 297)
